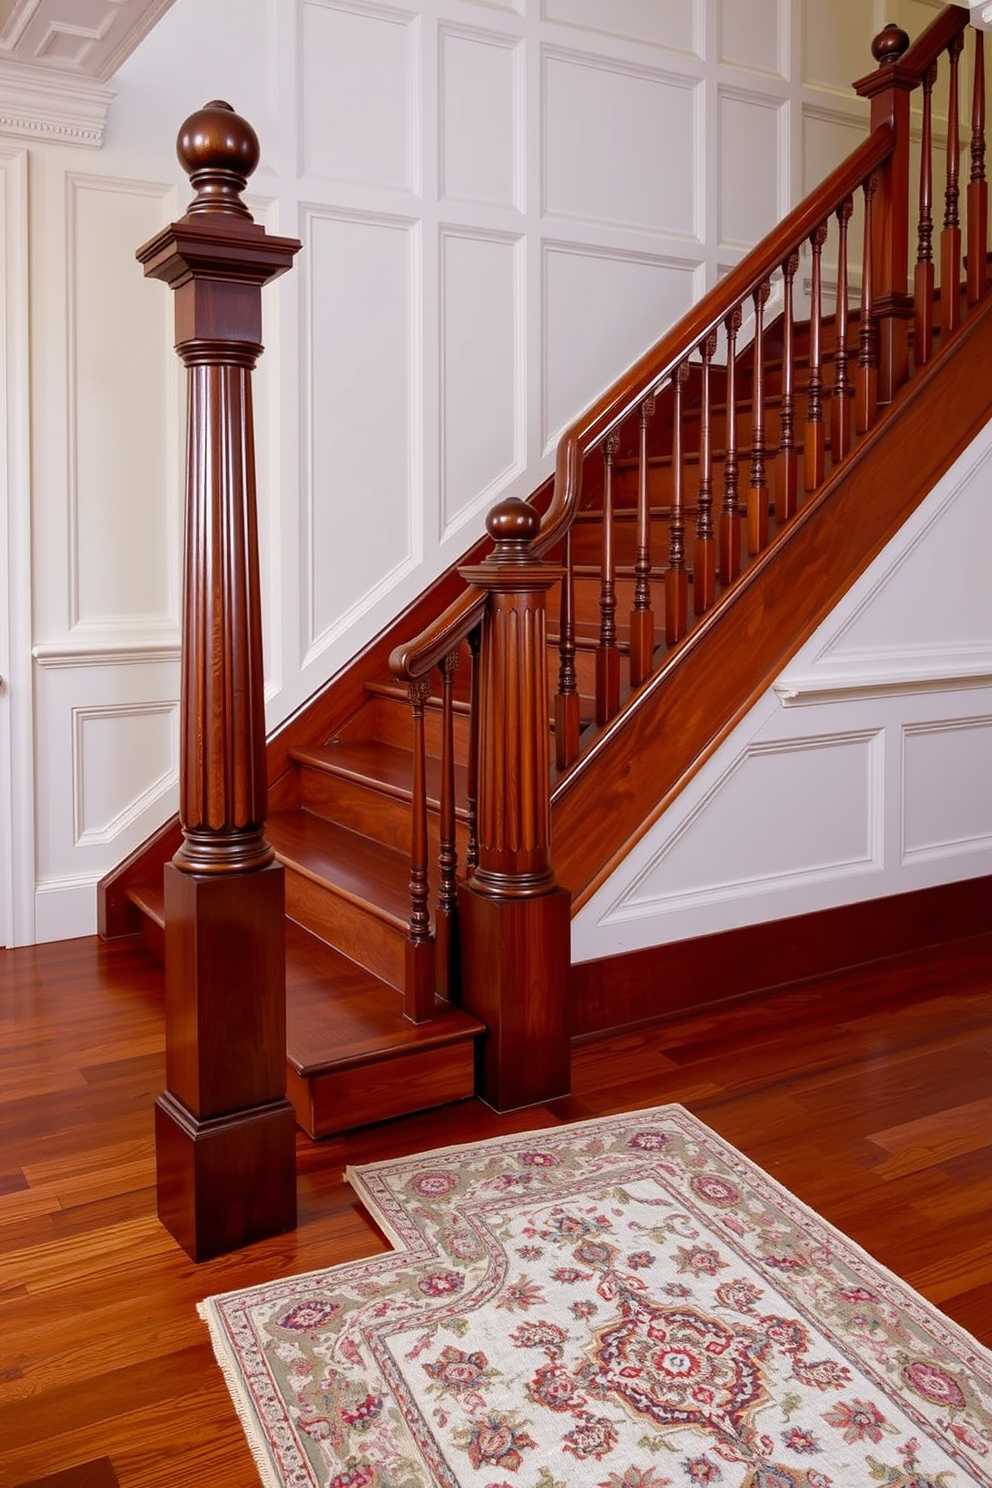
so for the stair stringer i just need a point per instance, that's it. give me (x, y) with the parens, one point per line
(637, 764)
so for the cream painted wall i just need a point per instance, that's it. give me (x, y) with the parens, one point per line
(501, 204)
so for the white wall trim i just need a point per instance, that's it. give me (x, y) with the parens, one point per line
(42, 104)
(17, 863)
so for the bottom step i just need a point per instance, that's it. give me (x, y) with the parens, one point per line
(353, 1058)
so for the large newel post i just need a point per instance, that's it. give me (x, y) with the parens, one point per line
(514, 919)
(225, 1132)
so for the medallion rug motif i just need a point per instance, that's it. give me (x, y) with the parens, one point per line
(626, 1302)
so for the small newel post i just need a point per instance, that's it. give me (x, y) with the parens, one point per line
(889, 89)
(514, 919)
(224, 1130)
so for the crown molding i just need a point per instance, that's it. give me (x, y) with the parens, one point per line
(56, 58)
(38, 103)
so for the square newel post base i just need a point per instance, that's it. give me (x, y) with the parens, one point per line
(515, 964)
(227, 1181)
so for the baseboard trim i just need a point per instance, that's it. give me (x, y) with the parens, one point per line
(622, 991)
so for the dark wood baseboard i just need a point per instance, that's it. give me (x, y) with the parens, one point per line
(96, 1474)
(623, 991)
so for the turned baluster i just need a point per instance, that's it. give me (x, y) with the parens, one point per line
(757, 494)
(472, 770)
(567, 720)
(607, 651)
(950, 238)
(730, 517)
(642, 614)
(676, 579)
(815, 433)
(420, 979)
(446, 928)
(788, 480)
(923, 278)
(978, 190)
(704, 555)
(867, 381)
(840, 408)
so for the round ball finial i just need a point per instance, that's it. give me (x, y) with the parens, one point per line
(889, 45)
(218, 150)
(513, 524)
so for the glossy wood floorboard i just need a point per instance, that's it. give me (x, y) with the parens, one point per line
(868, 1095)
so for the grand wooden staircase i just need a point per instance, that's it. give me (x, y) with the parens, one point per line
(704, 517)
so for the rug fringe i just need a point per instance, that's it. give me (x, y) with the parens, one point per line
(243, 1405)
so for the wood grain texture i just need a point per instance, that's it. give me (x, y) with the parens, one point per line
(867, 1094)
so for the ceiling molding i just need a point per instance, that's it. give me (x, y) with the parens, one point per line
(55, 59)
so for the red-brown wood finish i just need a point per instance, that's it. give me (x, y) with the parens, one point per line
(787, 496)
(950, 238)
(923, 282)
(642, 613)
(704, 551)
(607, 651)
(225, 1130)
(978, 190)
(840, 405)
(815, 428)
(514, 917)
(757, 495)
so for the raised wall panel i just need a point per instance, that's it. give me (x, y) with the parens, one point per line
(480, 139)
(363, 484)
(601, 311)
(620, 145)
(788, 811)
(481, 369)
(751, 139)
(751, 35)
(124, 528)
(828, 138)
(836, 43)
(667, 23)
(359, 111)
(122, 759)
(890, 625)
(947, 788)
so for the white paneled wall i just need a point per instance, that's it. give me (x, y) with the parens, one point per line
(864, 772)
(501, 204)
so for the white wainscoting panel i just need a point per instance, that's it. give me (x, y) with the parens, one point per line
(752, 129)
(482, 366)
(947, 788)
(755, 35)
(124, 521)
(606, 130)
(360, 81)
(143, 742)
(801, 809)
(363, 482)
(601, 311)
(675, 24)
(481, 137)
(108, 735)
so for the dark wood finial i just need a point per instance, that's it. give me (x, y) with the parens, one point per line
(889, 45)
(513, 524)
(218, 150)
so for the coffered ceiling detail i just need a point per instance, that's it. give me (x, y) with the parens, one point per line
(56, 57)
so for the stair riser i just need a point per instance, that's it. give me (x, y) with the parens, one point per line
(376, 944)
(337, 1102)
(363, 808)
(394, 725)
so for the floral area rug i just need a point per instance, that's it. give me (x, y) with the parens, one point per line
(619, 1303)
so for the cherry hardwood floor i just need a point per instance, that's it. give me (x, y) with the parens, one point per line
(868, 1095)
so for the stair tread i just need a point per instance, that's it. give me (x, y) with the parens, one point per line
(363, 870)
(385, 765)
(359, 1022)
